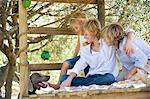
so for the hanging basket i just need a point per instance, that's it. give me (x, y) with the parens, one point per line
(45, 55)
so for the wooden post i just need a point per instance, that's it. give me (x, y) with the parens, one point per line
(101, 11)
(23, 50)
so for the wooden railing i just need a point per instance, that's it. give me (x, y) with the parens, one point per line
(50, 31)
(41, 67)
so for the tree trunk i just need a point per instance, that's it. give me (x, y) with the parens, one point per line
(11, 72)
(3, 75)
(101, 11)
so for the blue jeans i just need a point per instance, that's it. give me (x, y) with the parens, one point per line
(97, 79)
(72, 62)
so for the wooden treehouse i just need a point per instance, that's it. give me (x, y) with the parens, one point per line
(25, 67)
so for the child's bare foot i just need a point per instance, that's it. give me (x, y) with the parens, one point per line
(55, 86)
(141, 75)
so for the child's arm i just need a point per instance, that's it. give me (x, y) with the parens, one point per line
(77, 47)
(139, 59)
(128, 46)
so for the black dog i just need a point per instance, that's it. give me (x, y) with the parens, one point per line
(37, 82)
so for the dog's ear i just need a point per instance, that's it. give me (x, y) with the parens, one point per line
(35, 78)
(45, 78)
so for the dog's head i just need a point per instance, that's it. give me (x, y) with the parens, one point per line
(38, 78)
(37, 81)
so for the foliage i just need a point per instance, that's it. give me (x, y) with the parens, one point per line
(136, 16)
(130, 13)
(26, 3)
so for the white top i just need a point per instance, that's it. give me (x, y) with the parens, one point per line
(138, 58)
(101, 62)
(141, 44)
(82, 40)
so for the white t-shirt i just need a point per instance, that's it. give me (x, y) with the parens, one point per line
(101, 62)
(82, 40)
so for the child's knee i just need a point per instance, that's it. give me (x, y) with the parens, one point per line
(65, 65)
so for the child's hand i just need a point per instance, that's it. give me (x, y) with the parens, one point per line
(128, 47)
(65, 83)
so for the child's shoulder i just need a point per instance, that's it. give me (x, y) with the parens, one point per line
(129, 30)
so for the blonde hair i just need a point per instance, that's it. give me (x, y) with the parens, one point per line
(78, 17)
(94, 27)
(112, 32)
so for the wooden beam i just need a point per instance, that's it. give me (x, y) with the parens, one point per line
(69, 1)
(24, 76)
(50, 31)
(41, 67)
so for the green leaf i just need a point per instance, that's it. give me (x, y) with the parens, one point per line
(26, 3)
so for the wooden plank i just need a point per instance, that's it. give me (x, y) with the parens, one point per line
(69, 1)
(99, 94)
(23, 51)
(41, 67)
(50, 31)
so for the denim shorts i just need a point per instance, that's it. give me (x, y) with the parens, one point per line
(72, 61)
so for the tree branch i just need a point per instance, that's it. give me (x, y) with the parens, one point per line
(125, 8)
(37, 49)
(39, 39)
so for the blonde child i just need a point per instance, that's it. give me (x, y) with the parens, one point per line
(114, 35)
(76, 22)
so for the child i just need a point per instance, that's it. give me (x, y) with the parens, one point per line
(76, 22)
(114, 35)
(98, 55)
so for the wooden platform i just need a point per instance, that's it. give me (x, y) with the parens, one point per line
(131, 93)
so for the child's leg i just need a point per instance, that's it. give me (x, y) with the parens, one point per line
(122, 74)
(142, 75)
(68, 64)
(64, 68)
(97, 79)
